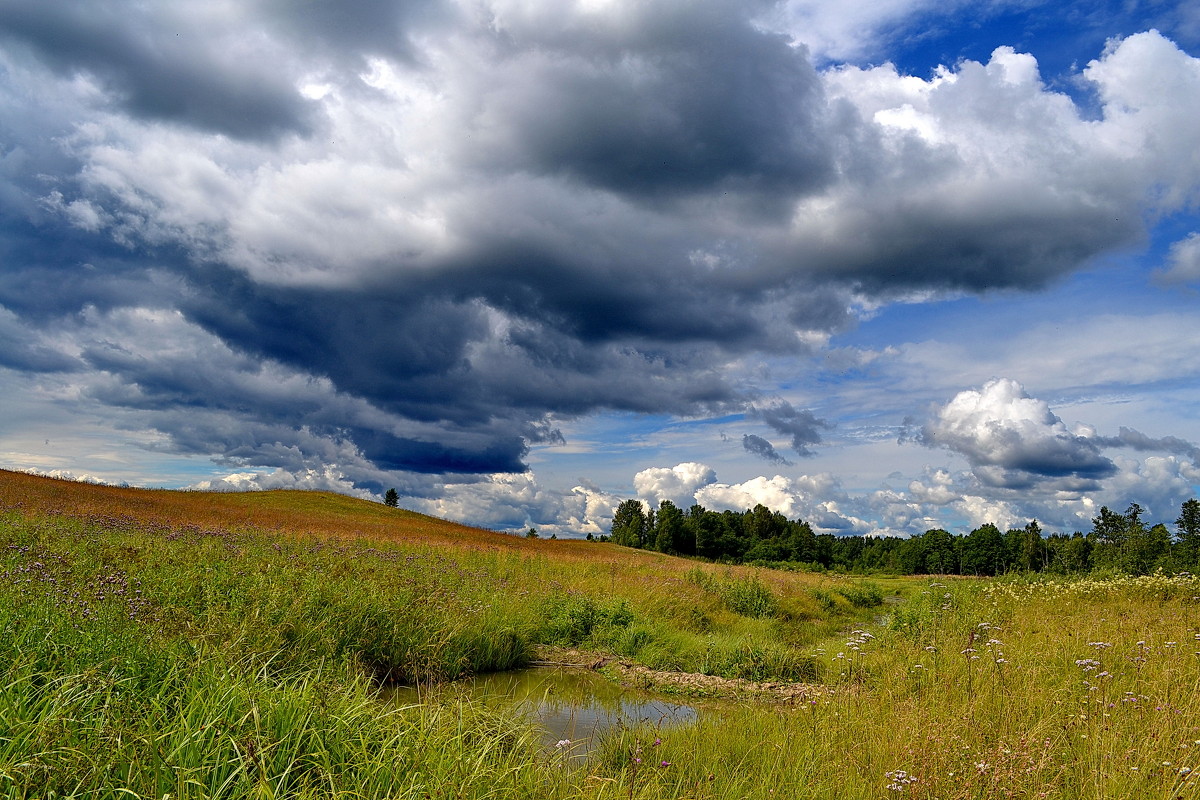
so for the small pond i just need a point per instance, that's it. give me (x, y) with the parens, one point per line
(572, 704)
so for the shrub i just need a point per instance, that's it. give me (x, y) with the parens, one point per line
(750, 597)
(570, 618)
(825, 598)
(863, 595)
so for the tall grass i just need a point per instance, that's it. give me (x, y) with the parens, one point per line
(231, 730)
(142, 655)
(973, 690)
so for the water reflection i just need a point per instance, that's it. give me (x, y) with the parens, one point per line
(568, 704)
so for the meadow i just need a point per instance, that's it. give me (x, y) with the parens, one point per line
(191, 645)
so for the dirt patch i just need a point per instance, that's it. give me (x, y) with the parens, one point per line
(692, 684)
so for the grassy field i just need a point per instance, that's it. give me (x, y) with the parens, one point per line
(196, 645)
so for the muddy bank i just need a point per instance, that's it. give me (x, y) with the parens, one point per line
(691, 684)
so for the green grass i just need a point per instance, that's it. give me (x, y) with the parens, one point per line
(144, 657)
(976, 690)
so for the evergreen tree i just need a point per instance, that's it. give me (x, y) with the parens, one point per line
(391, 498)
(1188, 527)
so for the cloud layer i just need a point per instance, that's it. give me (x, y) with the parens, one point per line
(400, 240)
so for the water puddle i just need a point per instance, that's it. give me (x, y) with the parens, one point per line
(569, 705)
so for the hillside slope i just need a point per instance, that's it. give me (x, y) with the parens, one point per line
(322, 514)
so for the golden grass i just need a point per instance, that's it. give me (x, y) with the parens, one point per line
(301, 513)
(324, 515)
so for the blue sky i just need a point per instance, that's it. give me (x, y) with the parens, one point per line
(882, 266)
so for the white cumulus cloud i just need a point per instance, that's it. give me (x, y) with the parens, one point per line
(678, 484)
(1011, 439)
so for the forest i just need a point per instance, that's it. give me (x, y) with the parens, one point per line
(1121, 542)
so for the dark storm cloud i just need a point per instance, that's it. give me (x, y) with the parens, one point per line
(677, 99)
(354, 29)
(23, 349)
(418, 361)
(800, 424)
(240, 384)
(499, 454)
(156, 69)
(658, 300)
(433, 358)
(763, 449)
(51, 271)
(1055, 456)
(1019, 247)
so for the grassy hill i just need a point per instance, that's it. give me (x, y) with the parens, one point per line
(292, 575)
(284, 511)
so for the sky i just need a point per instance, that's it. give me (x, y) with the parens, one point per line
(883, 265)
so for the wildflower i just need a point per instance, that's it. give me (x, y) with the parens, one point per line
(562, 743)
(665, 764)
(899, 780)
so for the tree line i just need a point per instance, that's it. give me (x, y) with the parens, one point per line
(1119, 541)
